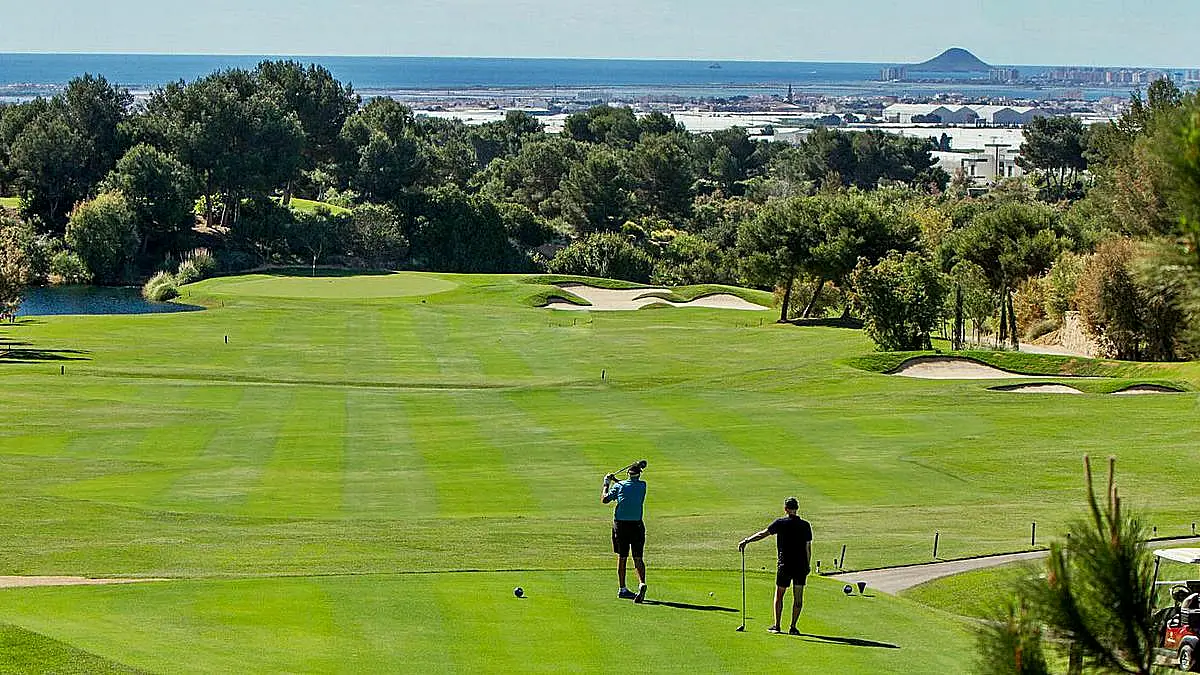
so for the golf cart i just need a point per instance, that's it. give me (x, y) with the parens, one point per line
(1179, 623)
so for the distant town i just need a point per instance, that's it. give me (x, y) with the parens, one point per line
(977, 135)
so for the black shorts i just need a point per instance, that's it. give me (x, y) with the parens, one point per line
(628, 534)
(789, 574)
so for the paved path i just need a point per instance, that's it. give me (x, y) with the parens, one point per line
(895, 579)
(23, 582)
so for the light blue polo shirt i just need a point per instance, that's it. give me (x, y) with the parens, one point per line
(631, 497)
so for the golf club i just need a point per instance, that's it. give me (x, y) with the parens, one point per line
(742, 628)
(641, 464)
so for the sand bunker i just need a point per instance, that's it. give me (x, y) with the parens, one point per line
(951, 368)
(1146, 389)
(1039, 388)
(611, 300)
(24, 582)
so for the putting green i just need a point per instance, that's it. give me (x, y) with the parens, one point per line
(471, 622)
(326, 287)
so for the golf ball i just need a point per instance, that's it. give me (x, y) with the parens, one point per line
(710, 594)
(519, 592)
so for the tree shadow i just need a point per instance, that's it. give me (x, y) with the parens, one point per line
(829, 322)
(322, 272)
(17, 322)
(12, 351)
(684, 605)
(853, 642)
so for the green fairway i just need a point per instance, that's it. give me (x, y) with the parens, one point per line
(10, 202)
(386, 424)
(473, 623)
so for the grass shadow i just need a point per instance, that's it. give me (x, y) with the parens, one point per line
(829, 322)
(853, 642)
(322, 272)
(684, 605)
(12, 351)
(17, 322)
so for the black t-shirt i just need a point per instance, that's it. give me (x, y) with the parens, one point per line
(791, 535)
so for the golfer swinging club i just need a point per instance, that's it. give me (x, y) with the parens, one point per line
(628, 531)
(793, 538)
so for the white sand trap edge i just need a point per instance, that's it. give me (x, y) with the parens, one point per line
(1141, 389)
(1038, 388)
(951, 368)
(624, 299)
(26, 582)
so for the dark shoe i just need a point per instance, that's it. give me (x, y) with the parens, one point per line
(641, 594)
(626, 594)
(774, 630)
(793, 631)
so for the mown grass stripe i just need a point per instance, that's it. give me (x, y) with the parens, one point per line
(451, 351)
(561, 479)
(497, 360)
(384, 475)
(222, 476)
(471, 472)
(303, 477)
(408, 353)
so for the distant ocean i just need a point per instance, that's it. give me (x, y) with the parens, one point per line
(23, 76)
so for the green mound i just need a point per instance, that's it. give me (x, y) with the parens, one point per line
(472, 622)
(312, 206)
(327, 287)
(1096, 376)
(24, 651)
(979, 594)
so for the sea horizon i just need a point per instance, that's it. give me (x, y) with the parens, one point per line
(689, 59)
(25, 75)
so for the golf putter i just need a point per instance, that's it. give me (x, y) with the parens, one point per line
(742, 628)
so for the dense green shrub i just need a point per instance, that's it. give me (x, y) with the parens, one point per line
(607, 254)
(376, 236)
(903, 299)
(161, 287)
(460, 232)
(104, 234)
(66, 267)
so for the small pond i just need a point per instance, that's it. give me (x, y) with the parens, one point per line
(48, 300)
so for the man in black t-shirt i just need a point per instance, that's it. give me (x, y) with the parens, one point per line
(793, 538)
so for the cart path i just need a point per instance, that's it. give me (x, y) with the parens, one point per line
(25, 582)
(895, 579)
(889, 580)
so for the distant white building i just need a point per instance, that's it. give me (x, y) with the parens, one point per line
(980, 115)
(983, 167)
(999, 115)
(917, 113)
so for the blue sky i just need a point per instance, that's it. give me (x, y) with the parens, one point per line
(1051, 32)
